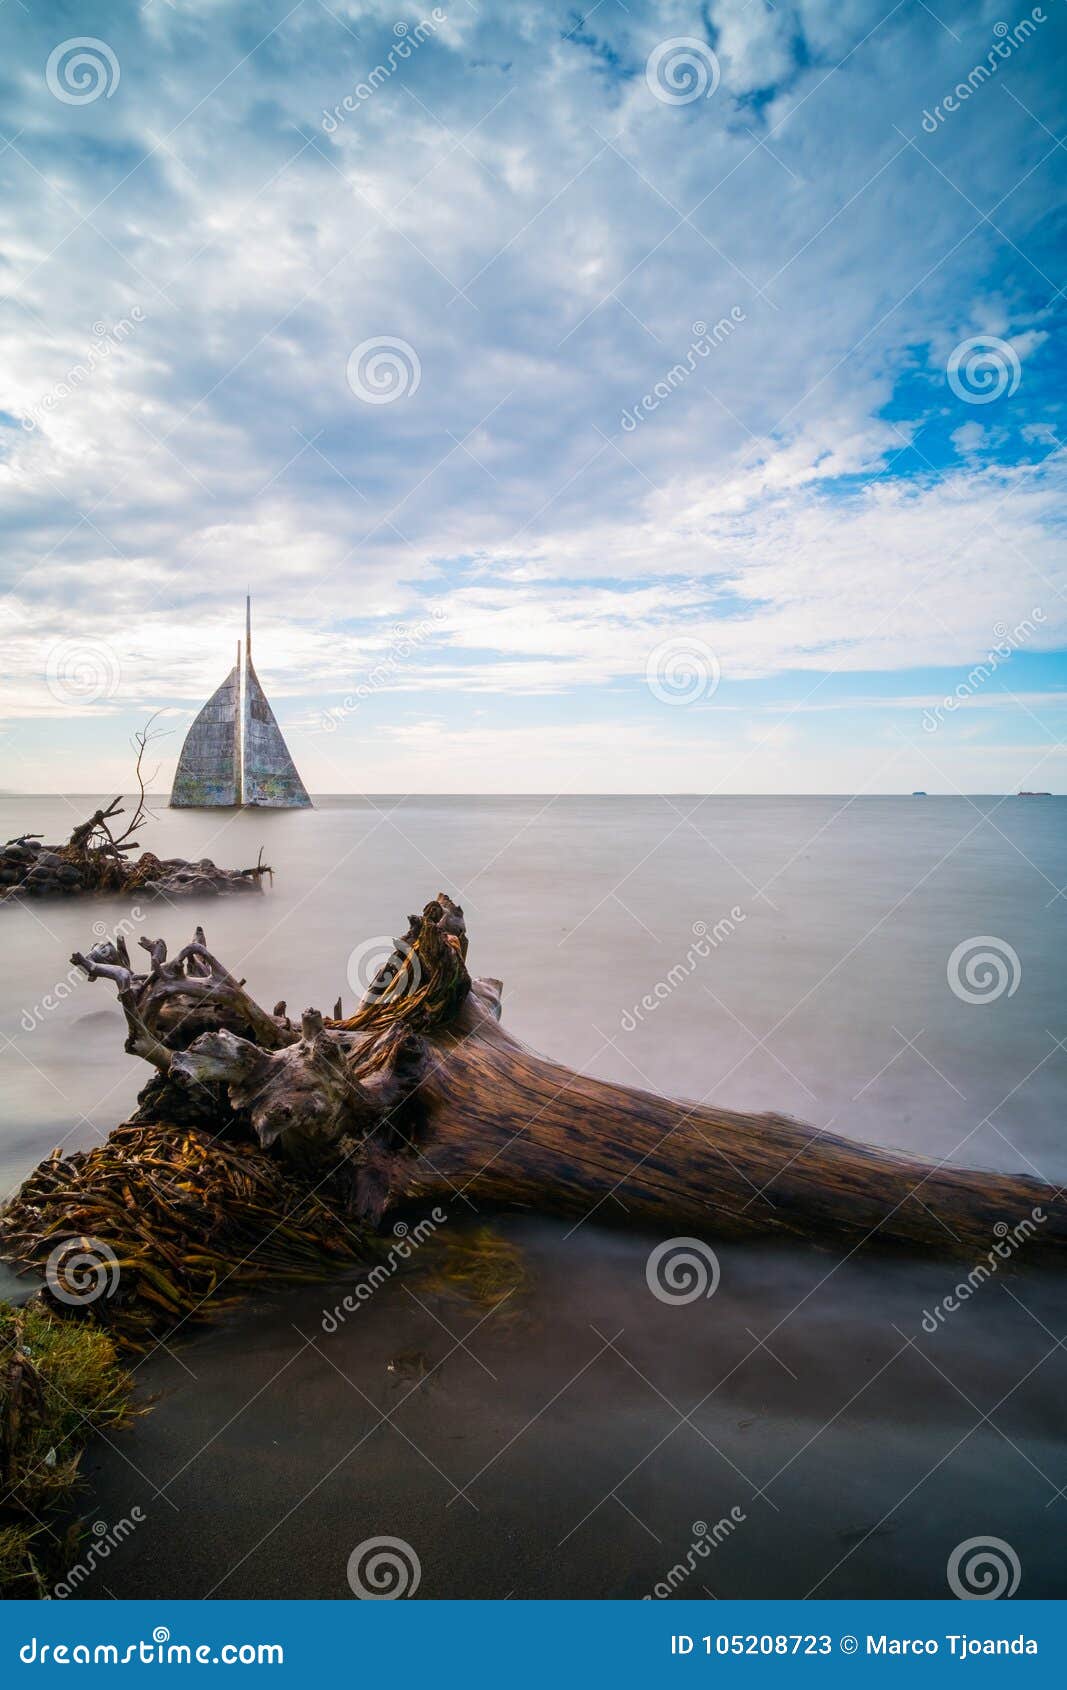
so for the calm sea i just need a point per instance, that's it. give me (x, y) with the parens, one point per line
(860, 1449)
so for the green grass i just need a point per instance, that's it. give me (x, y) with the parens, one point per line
(60, 1381)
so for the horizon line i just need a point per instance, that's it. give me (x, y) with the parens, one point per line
(843, 792)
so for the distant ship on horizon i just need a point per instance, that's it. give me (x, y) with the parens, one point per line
(234, 753)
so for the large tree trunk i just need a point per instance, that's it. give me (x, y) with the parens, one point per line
(505, 1124)
(421, 1094)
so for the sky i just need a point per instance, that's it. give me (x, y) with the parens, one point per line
(644, 398)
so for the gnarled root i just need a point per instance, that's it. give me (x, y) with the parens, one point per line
(168, 1007)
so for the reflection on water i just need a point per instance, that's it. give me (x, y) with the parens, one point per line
(823, 1404)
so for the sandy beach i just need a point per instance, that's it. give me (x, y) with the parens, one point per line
(545, 1451)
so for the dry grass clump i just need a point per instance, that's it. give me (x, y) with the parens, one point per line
(164, 1223)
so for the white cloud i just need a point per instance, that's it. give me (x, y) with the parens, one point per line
(545, 234)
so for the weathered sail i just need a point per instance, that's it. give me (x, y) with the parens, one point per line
(209, 768)
(234, 752)
(270, 777)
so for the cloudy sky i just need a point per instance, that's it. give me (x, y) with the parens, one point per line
(655, 397)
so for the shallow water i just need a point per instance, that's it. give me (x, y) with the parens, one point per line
(827, 997)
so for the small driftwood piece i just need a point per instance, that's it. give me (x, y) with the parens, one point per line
(422, 1094)
(96, 859)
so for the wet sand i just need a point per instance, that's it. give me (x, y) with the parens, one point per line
(556, 1449)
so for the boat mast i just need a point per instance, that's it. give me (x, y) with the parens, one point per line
(244, 689)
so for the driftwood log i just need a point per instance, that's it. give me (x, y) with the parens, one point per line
(97, 859)
(423, 1095)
